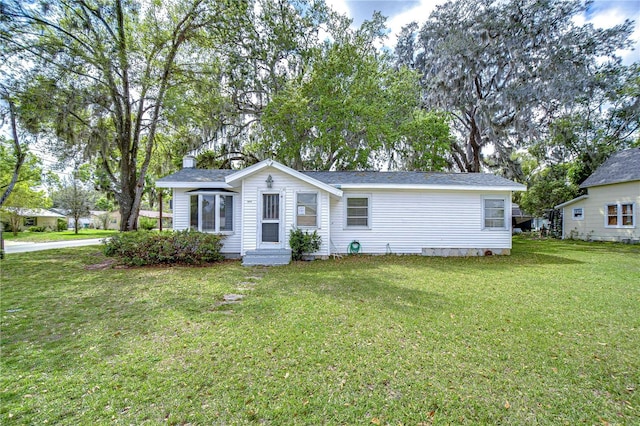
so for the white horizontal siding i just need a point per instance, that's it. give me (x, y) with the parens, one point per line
(406, 221)
(288, 186)
(182, 211)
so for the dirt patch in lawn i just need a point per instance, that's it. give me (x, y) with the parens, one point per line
(105, 264)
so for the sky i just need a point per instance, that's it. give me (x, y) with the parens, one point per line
(602, 14)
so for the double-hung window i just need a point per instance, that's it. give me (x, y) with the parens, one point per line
(307, 209)
(358, 214)
(619, 215)
(494, 213)
(211, 212)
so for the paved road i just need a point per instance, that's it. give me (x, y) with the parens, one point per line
(22, 247)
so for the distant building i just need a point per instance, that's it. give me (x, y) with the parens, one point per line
(609, 210)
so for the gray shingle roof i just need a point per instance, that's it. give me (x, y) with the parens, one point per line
(410, 178)
(363, 178)
(623, 166)
(198, 175)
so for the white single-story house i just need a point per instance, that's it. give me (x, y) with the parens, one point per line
(433, 214)
(609, 209)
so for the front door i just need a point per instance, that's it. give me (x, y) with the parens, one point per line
(270, 221)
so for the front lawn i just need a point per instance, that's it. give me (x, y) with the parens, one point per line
(549, 335)
(44, 237)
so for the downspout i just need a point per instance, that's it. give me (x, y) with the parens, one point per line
(328, 224)
(160, 203)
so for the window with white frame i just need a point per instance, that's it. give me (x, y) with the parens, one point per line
(619, 215)
(358, 214)
(307, 209)
(578, 213)
(211, 212)
(30, 221)
(494, 212)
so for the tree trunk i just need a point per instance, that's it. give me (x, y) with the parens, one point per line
(20, 156)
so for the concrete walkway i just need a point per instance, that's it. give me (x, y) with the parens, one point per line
(23, 247)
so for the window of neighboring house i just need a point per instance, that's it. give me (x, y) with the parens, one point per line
(578, 213)
(627, 215)
(494, 213)
(211, 212)
(358, 212)
(307, 209)
(612, 215)
(619, 215)
(30, 221)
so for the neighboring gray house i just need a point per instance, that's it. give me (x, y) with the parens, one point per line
(609, 210)
(441, 214)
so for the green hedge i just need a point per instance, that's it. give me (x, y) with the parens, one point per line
(158, 248)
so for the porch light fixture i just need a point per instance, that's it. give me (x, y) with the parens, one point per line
(269, 182)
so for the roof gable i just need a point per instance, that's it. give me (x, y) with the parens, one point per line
(623, 166)
(241, 174)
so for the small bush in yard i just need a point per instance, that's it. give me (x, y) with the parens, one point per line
(62, 225)
(37, 229)
(148, 223)
(302, 243)
(157, 248)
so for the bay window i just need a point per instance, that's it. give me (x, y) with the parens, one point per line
(211, 212)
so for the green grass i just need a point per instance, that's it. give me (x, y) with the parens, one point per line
(43, 237)
(549, 335)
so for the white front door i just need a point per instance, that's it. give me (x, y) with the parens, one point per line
(269, 227)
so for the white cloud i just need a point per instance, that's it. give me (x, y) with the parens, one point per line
(339, 6)
(419, 14)
(606, 14)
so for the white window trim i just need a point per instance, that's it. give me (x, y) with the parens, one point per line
(507, 213)
(295, 213)
(573, 213)
(217, 194)
(346, 197)
(619, 213)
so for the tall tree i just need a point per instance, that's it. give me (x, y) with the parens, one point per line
(105, 68)
(76, 198)
(12, 158)
(546, 189)
(505, 69)
(352, 109)
(604, 120)
(273, 45)
(28, 172)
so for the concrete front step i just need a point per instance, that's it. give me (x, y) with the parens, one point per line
(267, 257)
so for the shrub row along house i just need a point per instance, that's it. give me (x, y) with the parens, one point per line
(434, 214)
(609, 209)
